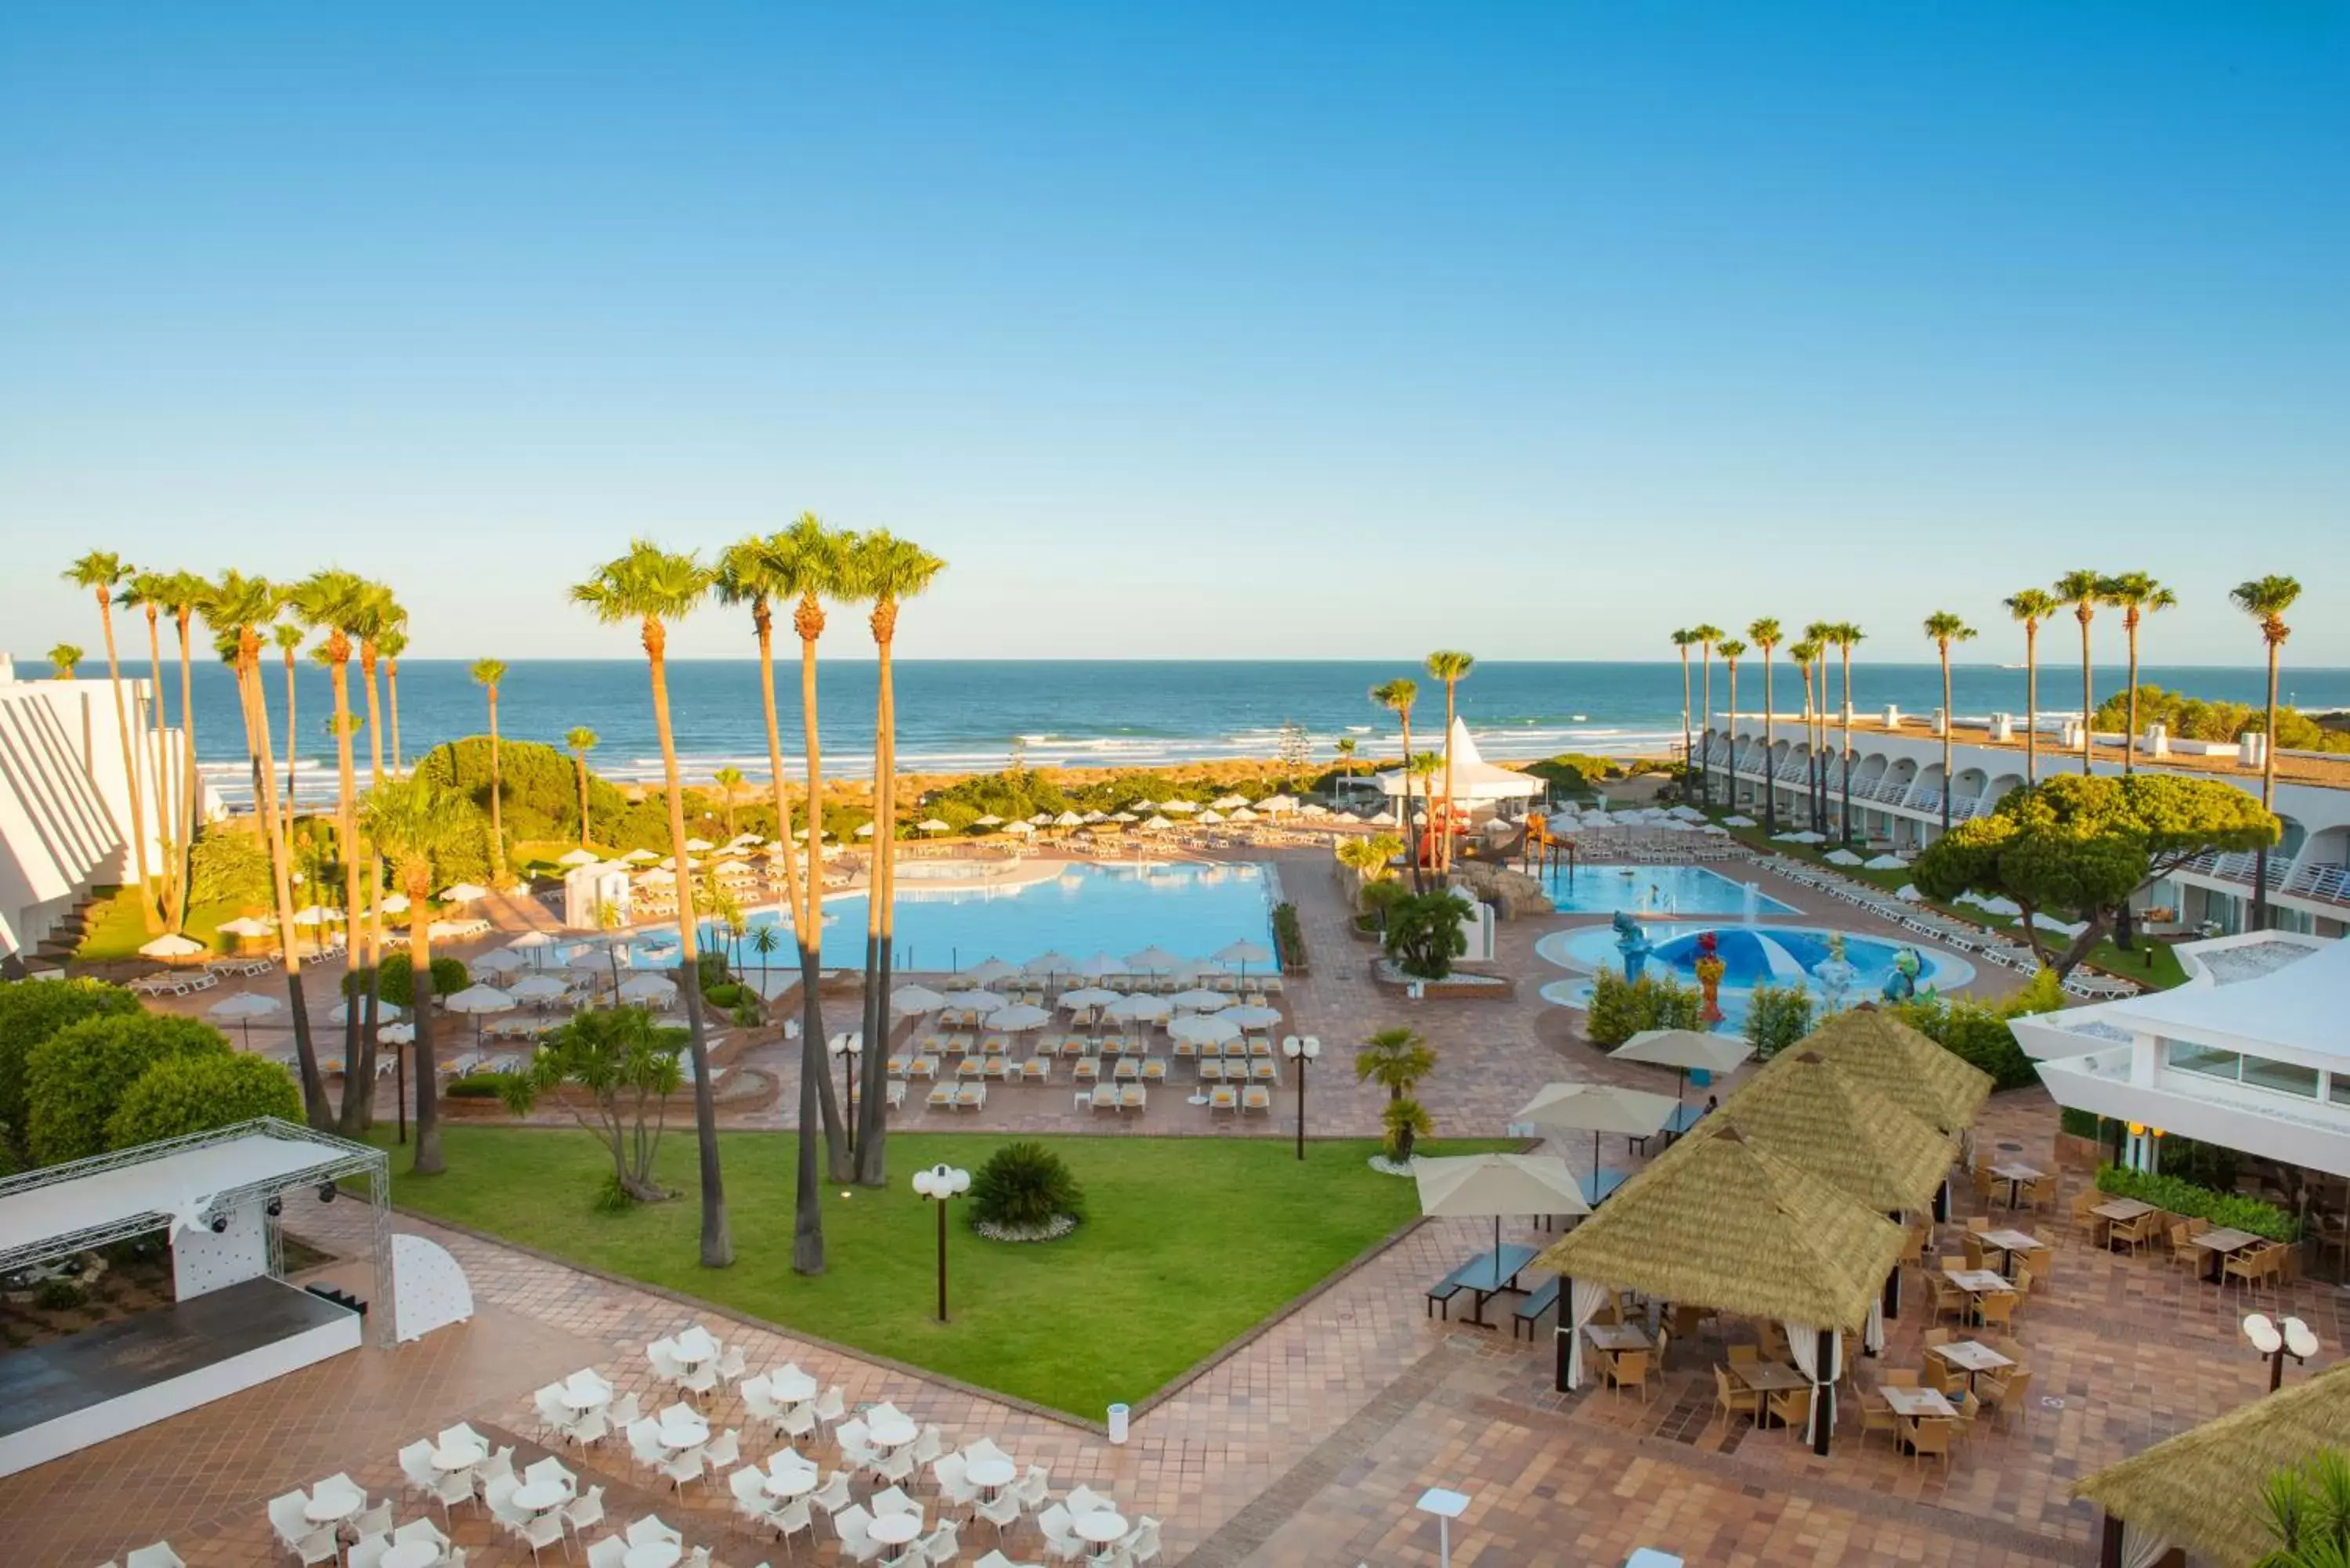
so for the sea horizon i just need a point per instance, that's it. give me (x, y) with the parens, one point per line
(970, 715)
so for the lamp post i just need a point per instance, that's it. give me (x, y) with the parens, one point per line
(1301, 1050)
(937, 1184)
(848, 1047)
(2277, 1341)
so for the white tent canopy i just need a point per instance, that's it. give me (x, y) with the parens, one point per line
(1473, 778)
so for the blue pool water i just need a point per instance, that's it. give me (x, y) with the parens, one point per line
(1752, 956)
(1662, 891)
(1190, 909)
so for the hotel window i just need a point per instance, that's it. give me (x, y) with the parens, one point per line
(2338, 1087)
(2282, 1077)
(2191, 1058)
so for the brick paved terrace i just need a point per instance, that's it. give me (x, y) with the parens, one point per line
(1308, 1443)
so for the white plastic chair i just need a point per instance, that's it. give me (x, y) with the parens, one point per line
(686, 1467)
(590, 1429)
(367, 1551)
(833, 1495)
(624, 1409)
(791, 1518)
(893, 1499)
(159, 1555)
(831, 1405)
(650, 1529)
(609, 1552)
(749, 1486)
(422, 1530)
(416, 1467)
(1083, 1499)
(1031, 1488)
(929, 1444)
(288, 1520)
(954, 1487)
(544, 1531)
(1142, 1544)
(1060, 1536)
(723, 1449)
(320, 1545)
(376, 1521)
(798, 1423)
(851, 1435)
(854, 1526)
(940, 1545)
(1002, 1513)
(584, 1510)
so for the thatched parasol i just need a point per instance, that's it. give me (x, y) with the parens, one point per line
(1903, 1065)
(2201, 1490)
(1719, 1222)
(1814, 1112)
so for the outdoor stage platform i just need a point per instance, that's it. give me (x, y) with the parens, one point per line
(112, 1379)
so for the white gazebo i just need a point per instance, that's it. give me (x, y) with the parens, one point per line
(590, 891)
(1475, 781)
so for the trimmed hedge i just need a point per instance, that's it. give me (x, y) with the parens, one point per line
(395, 981)
(1288, 938)
(196, 1093)
(1777, 1016)
(1621, 1008)
(75, 1079)
(2178, 1197)
(1978, 1034)
(478, 1086)
(33, 1010)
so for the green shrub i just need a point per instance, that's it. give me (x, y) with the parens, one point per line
(2080, 1123)
(1024, 1186)
(1621, 1008)
(478, 1086)
(33, 1010)
(1978, 1033)
(724, 994)
(1288, 938)
(1424, 934)
(1777, 1016)
(228, 865)
(1379, 897)
(196, 1093)
(1405, 1122)
(59, 1296)
(2178, 1196)
(396, 979)
(75, 1079)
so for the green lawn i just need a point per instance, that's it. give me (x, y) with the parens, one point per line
(117, 930)
(1187, 1241)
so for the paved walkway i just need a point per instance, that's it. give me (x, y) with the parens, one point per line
(1308, 1445)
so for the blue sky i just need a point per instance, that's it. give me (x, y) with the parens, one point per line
(1323, 331)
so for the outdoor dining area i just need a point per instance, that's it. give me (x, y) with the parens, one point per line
(1761, 1255)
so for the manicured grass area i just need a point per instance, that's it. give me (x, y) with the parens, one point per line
(1187, 1243)
(117, 930)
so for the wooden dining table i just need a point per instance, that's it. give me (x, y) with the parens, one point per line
(2219, 1245)
(1766, 1378)
(1969, 1357)
(1614, 1336)
(2008, 1243)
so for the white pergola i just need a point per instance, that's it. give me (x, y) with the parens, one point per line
(62, 1210)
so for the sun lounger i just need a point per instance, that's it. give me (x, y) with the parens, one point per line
(971, 1097)
(941, 1095)
(1104, 1097)
(1256, 1098)
(1222, 1099)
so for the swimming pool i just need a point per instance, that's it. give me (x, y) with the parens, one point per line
(1662, 892)
(1752, 956)
(1192, 908)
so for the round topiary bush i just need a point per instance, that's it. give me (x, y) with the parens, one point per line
(182, 1095)
(1024, 1193)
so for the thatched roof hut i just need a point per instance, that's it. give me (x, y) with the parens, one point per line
(1719, 1222)
(1816, 1113)
(1903, 1065)
(2201, 1490)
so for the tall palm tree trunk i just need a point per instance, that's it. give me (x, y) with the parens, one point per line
(160, 771)
(1770, 760)
(872, 1153)
(717, 1242)
(391, 694)
(2088, 700)
(427, 1160)
(191, 781)
(293, 755)
(2129, 739)
(1705, 776)
(2268, 793)
(375, 715)
(812, 1052)
(497, 815)
(1444, 831)
(150, 910)
(1730, 722)
(579, 769)
(1687, 756)
(807, 1226)
(1846, 748)
(1418, 846)
(358, 1091)
(315, 1108)
(1947, 727)
(2030, 703)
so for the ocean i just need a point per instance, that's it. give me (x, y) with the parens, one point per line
(967, 714)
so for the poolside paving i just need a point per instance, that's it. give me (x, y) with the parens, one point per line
(1308, 1444)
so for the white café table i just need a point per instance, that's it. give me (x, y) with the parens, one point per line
(584, 1398)
(537, 1496)
(1102, 1529)
(791, 1387)
(653, 1555)
(411, 1554)
(990, 1475)
(895, 1529)
(458, 1456)
(893, 1431)
(333, 1507)
(682, 1431)
(791, 1481)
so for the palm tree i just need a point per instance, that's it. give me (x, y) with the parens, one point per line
(1945, 628)
(1396, 1059)
(1397, 697)
(2083, 590)
(236, 609)
(379, 616)
(653, 587)
(730, 781)
(810, 558)
(1449, 666)
(1346, 748)
(1847, 636)
(2136, 596)
(333, 602)
(288, 638)
(487, 673)
(390, 644)
(184, 594)
(887, 570)
(1685, 640)
(1766, 634)
(411, 820)
(1731, 651)
(2266, 599)
(1707, 637)
(100, 571)
(2306, 1512)
(582, 741)
(1423, 766)
(1805, 653)
(65, 655)
(758, 572)
(148, 591)
(2030, 606)
(1821, 634)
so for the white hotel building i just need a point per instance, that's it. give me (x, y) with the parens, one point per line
(1897, 788)
(65, 805)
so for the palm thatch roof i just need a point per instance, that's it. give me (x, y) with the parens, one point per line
(1719, 1222)
(1903, 1065)
(2201, 1490)
(1814, 1112)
